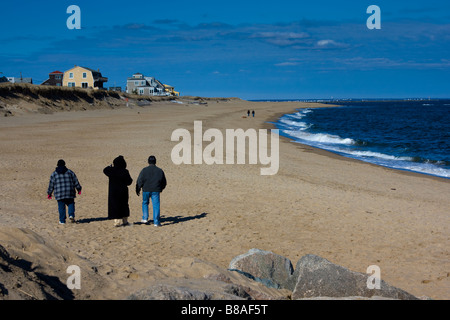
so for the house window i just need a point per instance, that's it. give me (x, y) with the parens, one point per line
(58, 84)
(71, 84)
(84, 85)
(136, 83)
(58, 77)
(84, 75)
(141, 91)
(71, 75)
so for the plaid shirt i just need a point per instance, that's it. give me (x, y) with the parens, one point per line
(63, 184)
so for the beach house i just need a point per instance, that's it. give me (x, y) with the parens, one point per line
(55, 78)
(20, 80)
(150, 86)
(171, 90)
(82, 77)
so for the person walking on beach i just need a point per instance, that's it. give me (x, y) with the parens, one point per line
(152, 181)
(248, 113)
(119, 180)
(63, 183)
(253, 113)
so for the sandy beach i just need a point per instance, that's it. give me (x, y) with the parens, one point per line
(352, 213)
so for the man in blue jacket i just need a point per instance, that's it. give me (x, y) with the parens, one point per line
(152, 181)
(63, 183)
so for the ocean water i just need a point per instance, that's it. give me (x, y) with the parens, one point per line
(412, 135)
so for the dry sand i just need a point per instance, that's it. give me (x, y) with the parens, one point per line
(351, 213)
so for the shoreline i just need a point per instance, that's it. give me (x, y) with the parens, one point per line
(273, 119)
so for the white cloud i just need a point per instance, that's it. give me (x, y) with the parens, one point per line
(326, 42)
(286, 64)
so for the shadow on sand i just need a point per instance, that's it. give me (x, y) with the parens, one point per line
(164, 220)
(89, 220)
(176, 219)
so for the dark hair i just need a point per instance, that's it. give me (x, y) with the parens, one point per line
(151, 160)
(61, 163)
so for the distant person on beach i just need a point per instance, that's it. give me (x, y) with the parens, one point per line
(63, 183)
(248, 113)
(253, 113)
(119, 180)
(152, 181)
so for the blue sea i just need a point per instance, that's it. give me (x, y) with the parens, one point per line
(412, 135)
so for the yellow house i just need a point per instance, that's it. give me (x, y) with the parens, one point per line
(171, 90)
(81, 77)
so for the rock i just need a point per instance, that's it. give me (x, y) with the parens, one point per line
(348, 298)
(318, 277)
(267, 282)
(213, 287)
(265, 266)
(190, 289)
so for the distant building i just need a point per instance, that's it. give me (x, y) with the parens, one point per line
(117, 89)
(171, 90)
(3, 79)
(55, 78)
(20, 80)
(149, 86)
(82, 77)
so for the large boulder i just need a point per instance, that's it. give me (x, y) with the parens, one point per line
(318, 277)
(266, 267)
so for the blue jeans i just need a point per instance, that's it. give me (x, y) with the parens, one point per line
(155, 202)
(70, 203)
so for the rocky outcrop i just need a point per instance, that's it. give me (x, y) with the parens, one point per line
(190, 289)
(313, 277)
(318, 277)
(30, 268)
(268, 267)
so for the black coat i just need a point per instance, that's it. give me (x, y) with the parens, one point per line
(119, 180)
(151, 179)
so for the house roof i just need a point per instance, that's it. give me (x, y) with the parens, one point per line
(96, 74)
(89, 69)
(56, 72)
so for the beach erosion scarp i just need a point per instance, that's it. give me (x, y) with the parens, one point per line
(348, 212)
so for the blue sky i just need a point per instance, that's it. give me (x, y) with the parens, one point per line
(248, 49)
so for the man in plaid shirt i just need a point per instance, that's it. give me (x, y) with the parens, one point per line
(63, 183)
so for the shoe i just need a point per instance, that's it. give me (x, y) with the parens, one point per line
(157, 225)
(144, 221)
(72, 219)
(62, 222)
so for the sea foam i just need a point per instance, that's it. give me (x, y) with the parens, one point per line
(299, 126)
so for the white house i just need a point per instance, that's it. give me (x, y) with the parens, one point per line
(149, 86)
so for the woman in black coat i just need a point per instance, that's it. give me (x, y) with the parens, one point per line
(119, 180)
